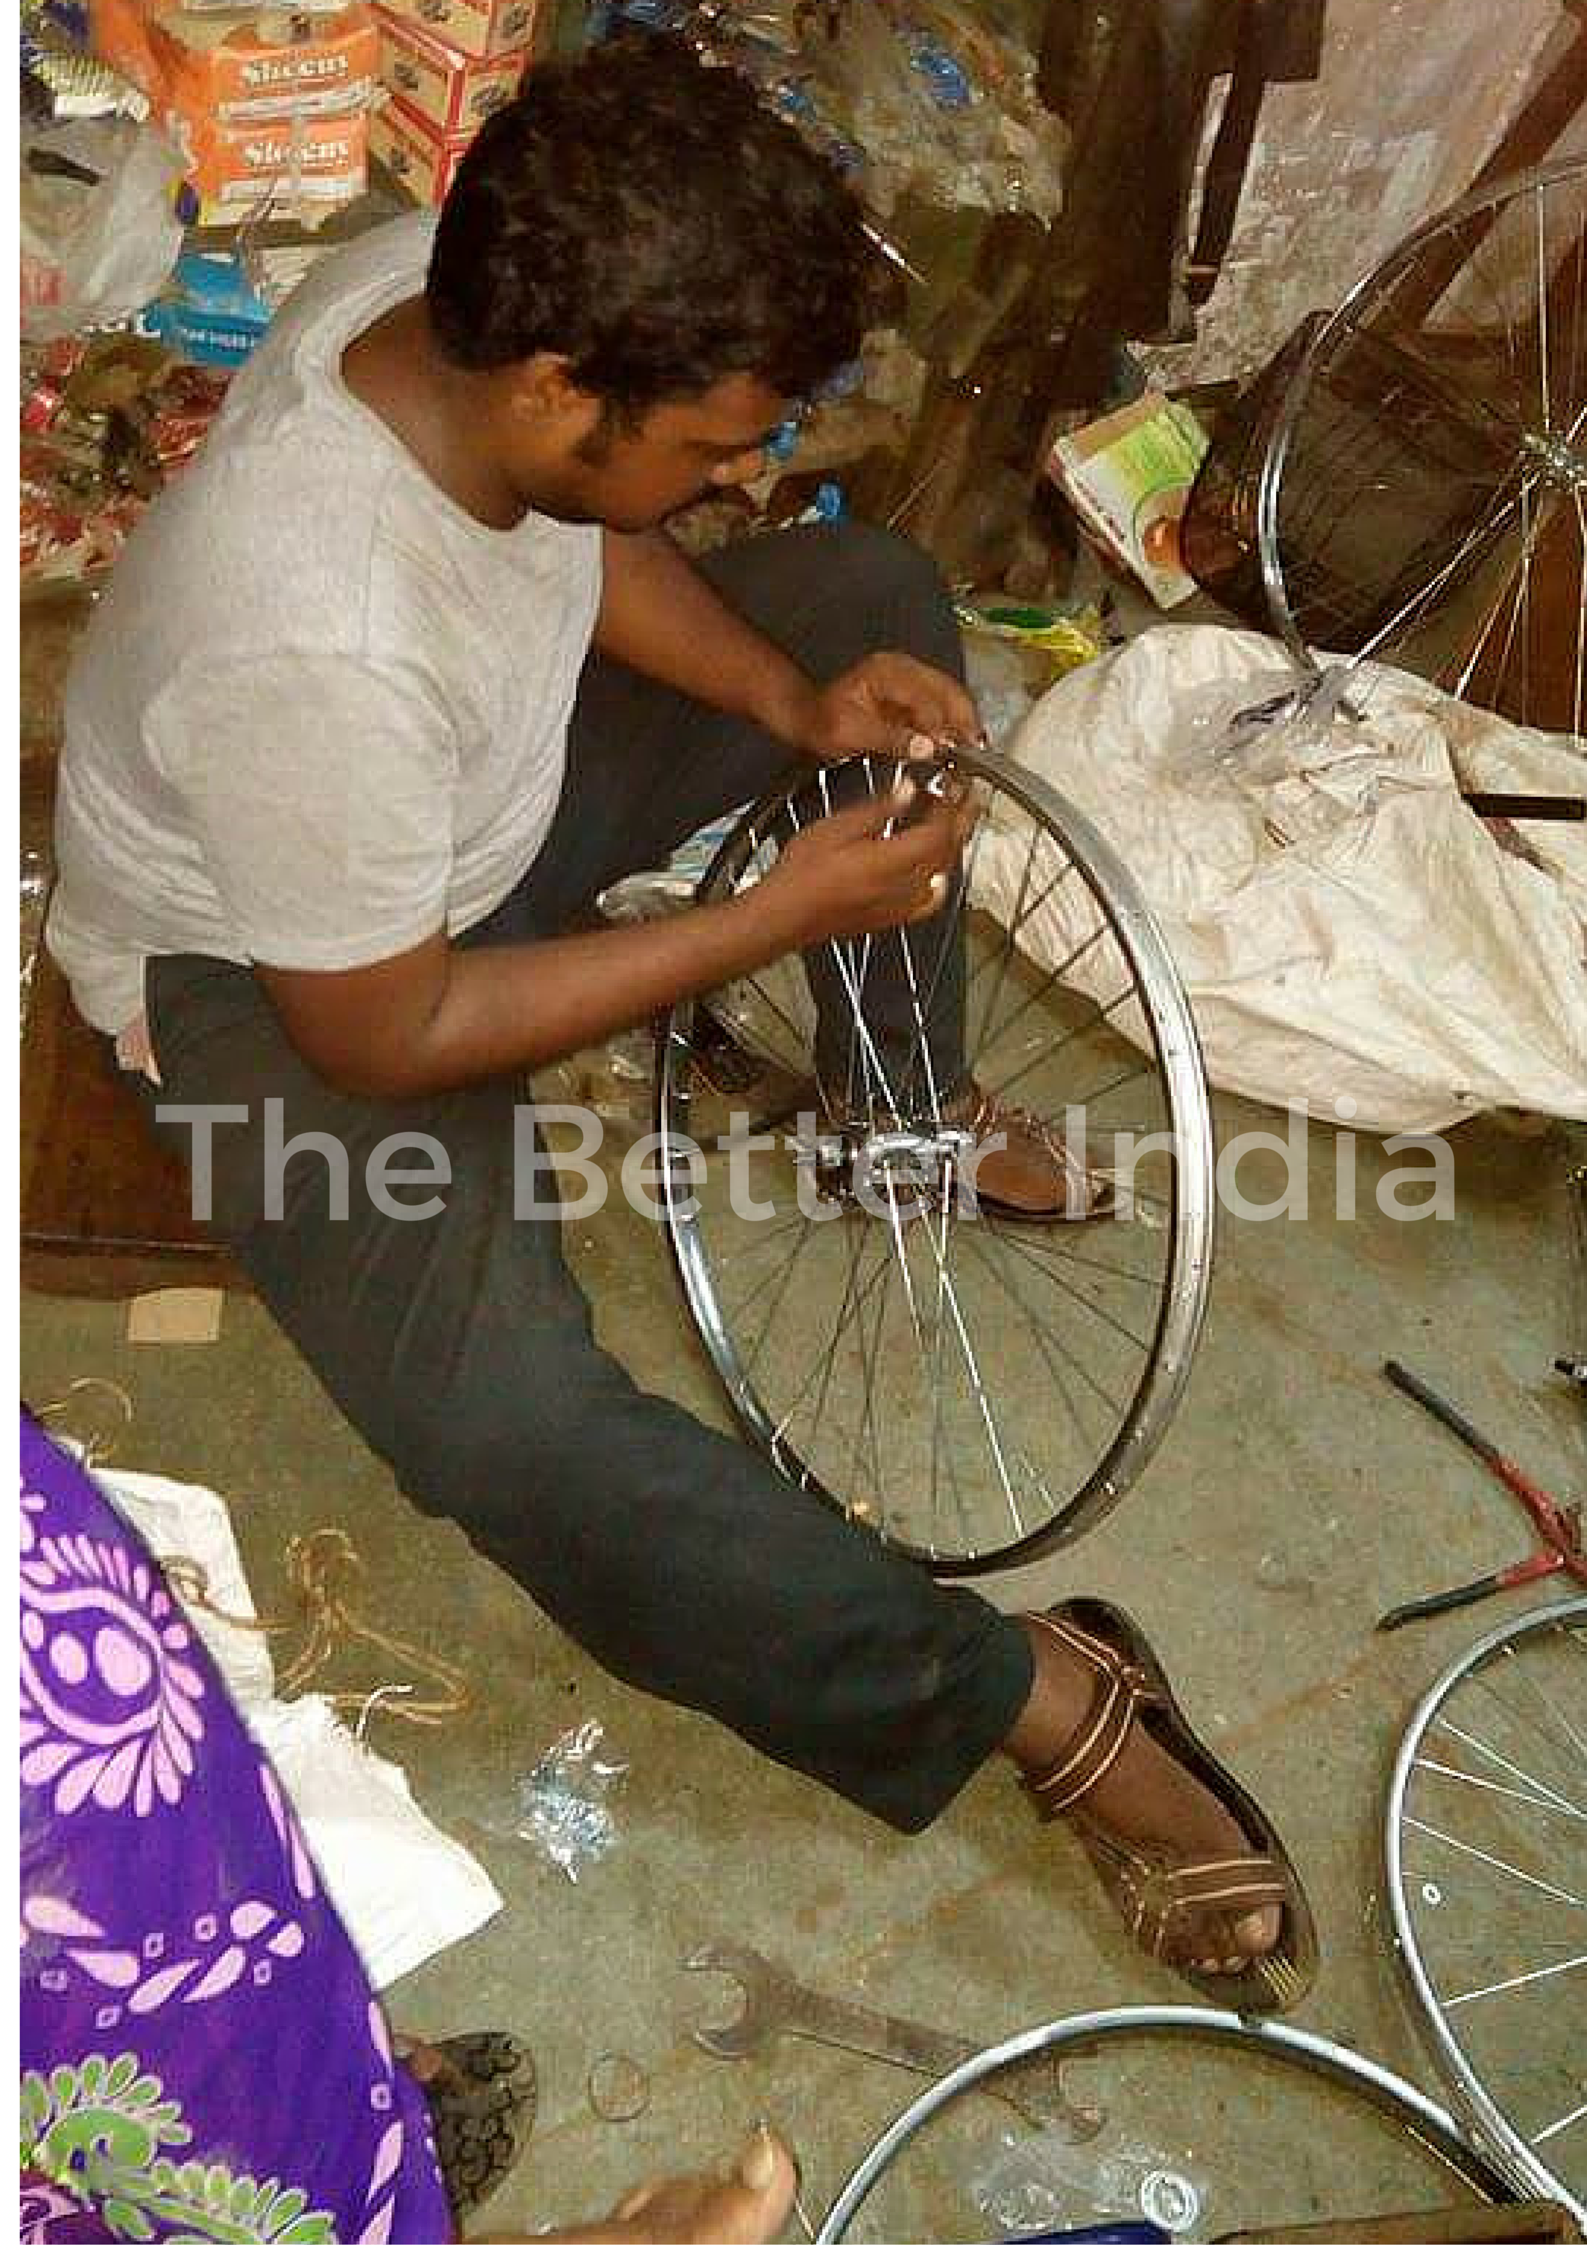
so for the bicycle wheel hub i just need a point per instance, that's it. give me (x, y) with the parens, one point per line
(891, 1172)
(1562, 466)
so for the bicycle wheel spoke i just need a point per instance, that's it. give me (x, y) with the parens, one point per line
(1551, 1708)
(1049, 1340)
(1490, 1785)
(1535, 1786)
(825, 1365)
(1019, 919)
(1484, 531)
(1051, 981)
(803, 1234)
(1516, 1980)
(935, 1374)
(1544, 283)
(865, 1433)
(1027, 1255)
(1557, 2127)
(1049, 1052)
(1498, 1863)
(983, 1400)
(1010, 938)
(1070, 1254)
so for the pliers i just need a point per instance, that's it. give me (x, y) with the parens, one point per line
(1558, 1526)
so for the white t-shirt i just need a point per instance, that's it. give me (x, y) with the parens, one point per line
(321, 711)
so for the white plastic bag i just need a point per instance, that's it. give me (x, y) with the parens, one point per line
(95, 251)
(403, 1889)
(1383, 961)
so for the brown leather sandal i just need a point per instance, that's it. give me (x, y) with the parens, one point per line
(1153, 1889)
(1088, 1196)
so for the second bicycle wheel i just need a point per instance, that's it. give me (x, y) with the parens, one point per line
(971, 1387)
(1423, 495)
(1486, 1851)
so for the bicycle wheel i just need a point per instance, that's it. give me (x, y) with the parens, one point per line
(1423, 494)
(1277, 2116)
(1486, 1847)
(971, 1388)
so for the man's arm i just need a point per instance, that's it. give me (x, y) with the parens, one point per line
(660, 616)
(436, 1016)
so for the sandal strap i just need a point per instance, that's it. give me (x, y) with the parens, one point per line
(1153, 1896)
(1240, 1883)
(1122, 1687)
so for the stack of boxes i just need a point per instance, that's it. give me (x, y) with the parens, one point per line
(446, 65)
(270, 109)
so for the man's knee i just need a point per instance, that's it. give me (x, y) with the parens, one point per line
(497, 1439)
(897, 588)
(882, 563)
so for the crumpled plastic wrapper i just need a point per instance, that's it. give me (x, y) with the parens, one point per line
(911, 98)
(106, 422)
(563, 1803)
(1036, 2181)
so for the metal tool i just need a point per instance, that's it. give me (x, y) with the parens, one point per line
(1558, 1526)
(775, 2003)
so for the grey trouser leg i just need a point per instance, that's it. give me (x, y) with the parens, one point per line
(461, 1348)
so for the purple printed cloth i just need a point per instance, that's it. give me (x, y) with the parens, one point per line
(202, 2055)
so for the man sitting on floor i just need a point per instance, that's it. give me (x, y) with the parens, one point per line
(402, 674)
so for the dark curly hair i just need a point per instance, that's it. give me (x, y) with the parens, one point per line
(642, 215)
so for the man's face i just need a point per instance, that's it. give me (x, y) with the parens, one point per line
(633, 479)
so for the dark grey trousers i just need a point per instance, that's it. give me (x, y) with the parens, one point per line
(462, 1350)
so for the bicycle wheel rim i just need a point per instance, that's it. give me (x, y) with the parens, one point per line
(1174, 1056)
(1489, 2176)
(1454, 2061)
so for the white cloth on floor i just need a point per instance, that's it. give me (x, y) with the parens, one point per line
(403, 1888)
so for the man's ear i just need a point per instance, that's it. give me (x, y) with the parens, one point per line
(543, 390)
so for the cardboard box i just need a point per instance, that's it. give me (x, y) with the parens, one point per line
(237, 169)
(1128, 478)
(477, 27)
(418, 159)
(454, 92)
(241, 68)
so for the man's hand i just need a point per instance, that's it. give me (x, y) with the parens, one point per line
(847, 875)
(885, 706)
(439, 1015)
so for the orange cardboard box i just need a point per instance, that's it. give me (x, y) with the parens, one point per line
(477, 27)
(454, 92)
(237, 67)
(417, 157)
(236, 168)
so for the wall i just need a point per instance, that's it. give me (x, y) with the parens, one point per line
(1413, 97)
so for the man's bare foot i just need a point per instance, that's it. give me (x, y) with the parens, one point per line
(1147, 1799)
(749, 2207)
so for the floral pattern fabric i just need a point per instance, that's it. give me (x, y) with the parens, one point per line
(202, 2057)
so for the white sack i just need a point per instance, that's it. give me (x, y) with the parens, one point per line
(1391, 954)
(402, 1888)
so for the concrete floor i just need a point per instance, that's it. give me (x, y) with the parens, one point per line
(1295, 1497)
